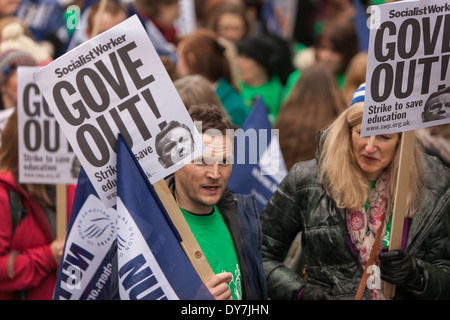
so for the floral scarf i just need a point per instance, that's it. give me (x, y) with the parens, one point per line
(363, 226)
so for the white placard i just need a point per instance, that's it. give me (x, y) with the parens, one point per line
(186, 22)
(115, 83)
(45, 156)
(408, 60)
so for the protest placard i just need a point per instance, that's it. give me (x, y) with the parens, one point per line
(408, 61)
(45, 156)
(407, 81)
(115, 83)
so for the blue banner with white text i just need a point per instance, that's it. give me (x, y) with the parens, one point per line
(258, 163)
(151, 263)
(85, 270)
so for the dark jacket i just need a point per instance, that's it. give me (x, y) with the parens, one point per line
(241, 216)
(301, 204)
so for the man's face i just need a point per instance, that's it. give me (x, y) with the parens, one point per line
(199, 185)
(437, 108)
(177, 145)
(8, 7)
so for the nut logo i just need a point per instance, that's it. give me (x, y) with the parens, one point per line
(96, 227)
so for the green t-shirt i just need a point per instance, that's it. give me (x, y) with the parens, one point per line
(271, 93)
(232, 102)
(215, 240)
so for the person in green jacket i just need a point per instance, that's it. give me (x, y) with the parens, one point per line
(340, 201)
(232, 101)
(258, 60)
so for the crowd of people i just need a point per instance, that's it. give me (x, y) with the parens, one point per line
(338, 194)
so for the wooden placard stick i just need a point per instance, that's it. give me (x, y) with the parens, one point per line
(61, 211)
(189, 243)
(99, 16)
(401, 192)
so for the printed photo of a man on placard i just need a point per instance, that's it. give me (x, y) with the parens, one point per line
(437, 107)
(174, 143)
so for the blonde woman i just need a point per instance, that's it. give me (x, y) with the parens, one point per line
(340, 201)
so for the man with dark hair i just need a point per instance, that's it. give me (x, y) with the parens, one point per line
(437, 106)
(225, 225)
(173, 143)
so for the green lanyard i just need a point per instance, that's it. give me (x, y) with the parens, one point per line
(387, 235)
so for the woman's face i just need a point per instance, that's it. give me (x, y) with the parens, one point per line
(8, 7)
(168, 13)
(373, 154)
(251, 72)
(9, 91)
(231, 27)
(326, 54)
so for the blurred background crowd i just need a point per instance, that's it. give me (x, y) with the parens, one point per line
(304, 58)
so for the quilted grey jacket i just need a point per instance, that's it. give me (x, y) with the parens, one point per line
(301, 204)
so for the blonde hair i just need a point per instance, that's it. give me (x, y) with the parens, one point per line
(196, 89)
(354, 75)
(340, 174)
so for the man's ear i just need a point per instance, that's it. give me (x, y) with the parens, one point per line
(191, 59)
(423, 116)
(88, 32)
(162, 162)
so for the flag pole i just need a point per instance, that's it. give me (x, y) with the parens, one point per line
(189, 243)
(399, 211)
